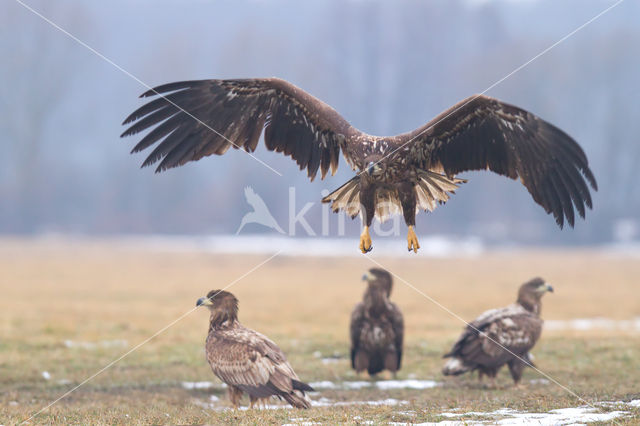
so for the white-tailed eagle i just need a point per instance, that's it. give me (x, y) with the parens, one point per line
(396, 174)
(501, 336)
(246, 360)
(377, 327)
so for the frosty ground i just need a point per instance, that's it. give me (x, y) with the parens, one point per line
(70, 308)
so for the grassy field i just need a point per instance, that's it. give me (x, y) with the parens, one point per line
(70, 309)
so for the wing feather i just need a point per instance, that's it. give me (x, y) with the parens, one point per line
(294, 123)
(484, 133)
(513, 328)
(250, 361)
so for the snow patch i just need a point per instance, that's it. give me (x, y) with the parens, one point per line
(202, 385)
(430, 246)
(406, 384)
(599, 323)
(381, 384)
(94, 345)
(539, 381)
(561, 416)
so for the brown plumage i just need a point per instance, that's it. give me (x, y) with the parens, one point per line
(396, 174)
(516, 328)
(377, 327)
(246, 360)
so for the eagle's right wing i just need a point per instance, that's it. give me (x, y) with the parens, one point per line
(194, 119)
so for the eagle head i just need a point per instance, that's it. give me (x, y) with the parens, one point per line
(379, 277)
(222, 304)
(531, 292)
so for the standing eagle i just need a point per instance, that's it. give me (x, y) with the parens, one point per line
(377, 327)
(395, 174)
(246, 360)
(501, 336)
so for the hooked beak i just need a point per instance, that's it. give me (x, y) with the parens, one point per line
(203, 301)
(549, 288)
(367, 277)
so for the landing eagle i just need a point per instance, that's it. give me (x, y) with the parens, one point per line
(501, 336)
(246, 360)
(395, 174)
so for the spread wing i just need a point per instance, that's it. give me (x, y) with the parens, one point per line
(397, 324)
(355, 329)
(484, 133)
(194, 119)
(250, 361)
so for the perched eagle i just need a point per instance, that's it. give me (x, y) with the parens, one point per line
(501, 336)
(377, 327)
(246, 360)
(396, 174)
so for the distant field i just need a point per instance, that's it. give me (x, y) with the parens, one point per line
(70, 309)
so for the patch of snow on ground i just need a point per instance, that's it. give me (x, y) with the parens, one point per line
(325, 384)
(321, 402)
(406, 384)
(561, 416)
(202, 385)
(430, 246)
(380, 384)
(539, 381)
(585, 324)
(95, 345)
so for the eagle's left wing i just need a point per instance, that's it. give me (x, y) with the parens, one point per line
(482, 133)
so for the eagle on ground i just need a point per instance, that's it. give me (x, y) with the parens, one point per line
(501, 336)
(395, 174)
(377, 327)
(246, 360)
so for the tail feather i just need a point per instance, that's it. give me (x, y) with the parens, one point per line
(298, 385)
(297, 399)
(433, 188)
(346, 198)
(454, 367)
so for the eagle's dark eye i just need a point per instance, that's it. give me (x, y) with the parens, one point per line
(370, 167)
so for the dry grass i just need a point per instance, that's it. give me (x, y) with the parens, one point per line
(96, 292)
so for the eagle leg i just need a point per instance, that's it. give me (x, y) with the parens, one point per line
(412, 240)
(365, 241)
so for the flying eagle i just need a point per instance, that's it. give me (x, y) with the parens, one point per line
(395, 174)
(377, 327)
(246, 360)
(501, 336)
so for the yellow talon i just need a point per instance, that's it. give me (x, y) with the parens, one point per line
(412, 240)
(365, 241)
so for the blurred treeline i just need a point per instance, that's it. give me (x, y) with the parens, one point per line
(387, 66)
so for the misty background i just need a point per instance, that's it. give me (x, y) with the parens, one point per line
(387, 67)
